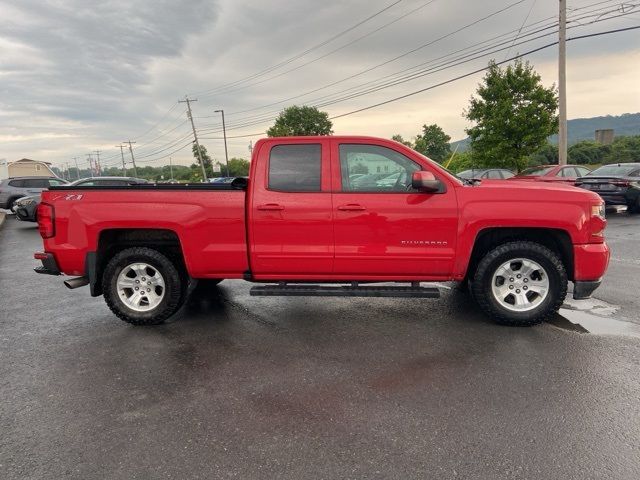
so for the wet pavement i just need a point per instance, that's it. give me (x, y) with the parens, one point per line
(244, 387)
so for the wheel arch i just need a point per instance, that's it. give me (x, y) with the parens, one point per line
(557, 240)
(112, 241)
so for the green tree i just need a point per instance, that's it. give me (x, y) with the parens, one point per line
(513, 115)
(546, 155)
(398, 138)
(295, 121)
(433, 143)
(206, 159)
(238, 167)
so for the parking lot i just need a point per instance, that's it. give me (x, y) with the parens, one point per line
(241, 387)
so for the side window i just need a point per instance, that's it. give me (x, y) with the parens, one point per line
(371, 168)
(494, 174)
(36, 183)
(295, 168)
(86, 184)
(568, 172)
(582, 171)
(17, 183)
(506, 174)
(55, 183)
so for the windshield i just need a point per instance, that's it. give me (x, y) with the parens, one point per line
(536, 171)
(617, 170)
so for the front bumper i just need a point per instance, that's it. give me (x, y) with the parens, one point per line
(590, 264)
(582, 289)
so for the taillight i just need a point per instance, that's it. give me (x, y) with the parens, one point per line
(598, 223)
(46, 220)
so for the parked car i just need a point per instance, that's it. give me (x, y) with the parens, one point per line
(553, 173)
(26, 208)
(486, 174)
(14, 188)
(109, 181)
(617, 184)
(299, 225)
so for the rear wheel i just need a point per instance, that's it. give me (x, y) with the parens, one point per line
(520, 283)
(142, 286)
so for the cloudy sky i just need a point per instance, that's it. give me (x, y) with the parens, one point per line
(82, 75)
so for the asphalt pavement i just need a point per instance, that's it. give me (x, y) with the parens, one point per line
(297, 388)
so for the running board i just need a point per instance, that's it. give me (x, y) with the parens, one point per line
(354, 290)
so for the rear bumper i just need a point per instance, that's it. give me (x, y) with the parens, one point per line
(49, 264)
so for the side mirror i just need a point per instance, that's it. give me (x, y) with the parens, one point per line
(427, 182)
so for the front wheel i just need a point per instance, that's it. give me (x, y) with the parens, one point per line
(520, 283)
(142, 286)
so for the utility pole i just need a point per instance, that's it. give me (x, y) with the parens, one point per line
(562, 84)
(224, 134)
(68, 173)
(251, 147)
(133, 160)
(171, 167)
(188, 101)
(90, 160)
(75, 159)
(124, 168)
(98, 166)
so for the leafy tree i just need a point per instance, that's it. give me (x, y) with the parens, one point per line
(238, 167)
(546, 155)
(359, 168)
(398, 138)
(433, 143)
(294, 121)
(513, 115)
(206, 159)
(461, 161)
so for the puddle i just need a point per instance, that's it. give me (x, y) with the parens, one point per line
(586, 322)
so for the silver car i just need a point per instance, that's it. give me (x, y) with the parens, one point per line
(14, 188)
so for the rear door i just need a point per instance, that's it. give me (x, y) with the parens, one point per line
(384, 228)
(290, 215)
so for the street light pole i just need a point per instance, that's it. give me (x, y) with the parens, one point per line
(562, 84)
(224, 134)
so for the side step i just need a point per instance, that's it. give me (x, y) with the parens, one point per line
(354, 290)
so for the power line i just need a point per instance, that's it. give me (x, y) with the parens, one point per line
(413, 76)
(302, 54)
(459, 77)
(331, 52)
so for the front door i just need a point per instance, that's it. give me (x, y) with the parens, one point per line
(290, 223)
(382, 226)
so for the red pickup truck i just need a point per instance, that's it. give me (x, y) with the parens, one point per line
(329, 216)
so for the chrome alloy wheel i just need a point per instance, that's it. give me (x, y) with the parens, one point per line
(140, 287)
(520, 285)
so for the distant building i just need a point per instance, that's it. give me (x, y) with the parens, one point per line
(605, 137)
(29, 168)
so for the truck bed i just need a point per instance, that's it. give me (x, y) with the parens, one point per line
(208, 219)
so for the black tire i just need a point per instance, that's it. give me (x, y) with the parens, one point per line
(174, 284)
(634, 209)
(547, 259)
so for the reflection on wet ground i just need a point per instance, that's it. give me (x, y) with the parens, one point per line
(593, 316)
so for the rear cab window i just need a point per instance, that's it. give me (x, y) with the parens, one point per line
(295, 168)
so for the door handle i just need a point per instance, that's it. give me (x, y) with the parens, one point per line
(270, 206)
(351, 207)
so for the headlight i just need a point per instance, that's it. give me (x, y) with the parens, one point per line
(598, 211)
